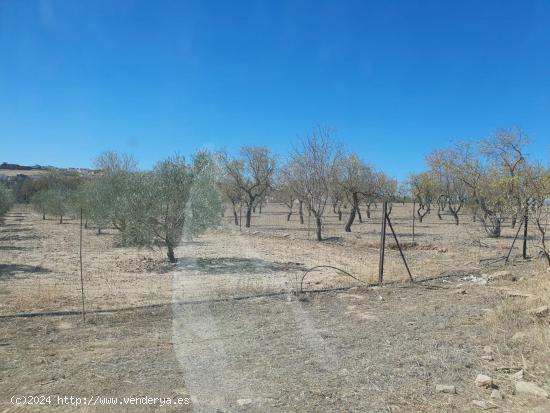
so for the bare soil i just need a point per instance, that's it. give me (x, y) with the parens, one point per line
(225, 327)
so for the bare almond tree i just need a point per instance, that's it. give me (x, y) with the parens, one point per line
(537, 190)
(424, 191)
(234, 194)
(452, 190)
(312, 168)
(356, 180)
(252, 174)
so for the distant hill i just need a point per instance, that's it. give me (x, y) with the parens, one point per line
(12, 170)
(16, 167)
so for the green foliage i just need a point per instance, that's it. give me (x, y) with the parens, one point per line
(38, 202)
(7, 199)
(52, 202)
(93, 199)
(173, 200)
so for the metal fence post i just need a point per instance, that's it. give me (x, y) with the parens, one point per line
(382, 243)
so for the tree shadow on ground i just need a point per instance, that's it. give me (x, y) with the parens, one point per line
(13, 248)
(17, 237)
(233, 265)
(26, 229)
(13, 270)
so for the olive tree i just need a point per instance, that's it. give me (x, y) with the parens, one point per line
(93, 199)
(56, 203)
(251, 174)
(38, 202)
(172, 201)
(115, 187)
(311, 172)
(7, 199)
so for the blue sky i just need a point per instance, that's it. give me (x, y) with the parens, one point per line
(396, 79)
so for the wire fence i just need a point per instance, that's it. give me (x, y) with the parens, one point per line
(40, 259)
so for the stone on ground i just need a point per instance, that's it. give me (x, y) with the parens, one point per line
(443, 388)
(483, 381)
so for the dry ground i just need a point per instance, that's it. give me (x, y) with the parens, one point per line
(224, 328)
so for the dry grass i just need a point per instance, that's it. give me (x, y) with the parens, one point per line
(43, 298)
(522, 339)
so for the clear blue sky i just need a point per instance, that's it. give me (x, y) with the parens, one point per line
(395, 78)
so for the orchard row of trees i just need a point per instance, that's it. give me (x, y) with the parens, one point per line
(7, 199)
(152, 208)
(319, 173)
(493, 178)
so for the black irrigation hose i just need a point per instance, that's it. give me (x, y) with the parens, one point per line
(328, 266)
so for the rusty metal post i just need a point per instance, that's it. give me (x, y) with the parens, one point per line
(400, 250)
(382, 243)
(81, 272)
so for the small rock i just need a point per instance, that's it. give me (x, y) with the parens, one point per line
(244, 402)
(525, 387)
(483, 381)
(496, 395)
(517, 375)
(442, 388)
(541, 311)
(461, 291)
(484, 405)
(488, 357)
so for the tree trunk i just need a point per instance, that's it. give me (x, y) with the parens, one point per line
(236, 216)
(494, 230)
(339, 214)
(170, 254)
(420, 215)
(350, 220)
(43, 215)
(525, 222)
(248, 216)
(301, 211)
(368, 210)
(98, 231)
(61, 219)
(288, 215)
(514, 219)
(359, 215)
(319, 225)
(455, 216)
